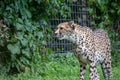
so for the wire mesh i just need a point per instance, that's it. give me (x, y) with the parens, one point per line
(80, 16)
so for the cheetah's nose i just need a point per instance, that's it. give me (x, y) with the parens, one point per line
(55, 34)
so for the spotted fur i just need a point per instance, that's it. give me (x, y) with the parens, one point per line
(91, 47)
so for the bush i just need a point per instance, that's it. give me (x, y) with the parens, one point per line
(24, 31)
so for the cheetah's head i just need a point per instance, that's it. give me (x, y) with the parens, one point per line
(64, 30)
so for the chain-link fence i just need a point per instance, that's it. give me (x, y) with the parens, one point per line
(79, 14)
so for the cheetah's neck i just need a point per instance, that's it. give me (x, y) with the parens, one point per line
(76, 38)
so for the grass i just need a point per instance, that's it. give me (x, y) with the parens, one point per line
(61, 68)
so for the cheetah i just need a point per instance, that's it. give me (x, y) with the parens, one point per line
(91, 47)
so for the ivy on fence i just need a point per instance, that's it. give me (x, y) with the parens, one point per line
(24, 31)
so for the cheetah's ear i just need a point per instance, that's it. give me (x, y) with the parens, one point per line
(71, 24)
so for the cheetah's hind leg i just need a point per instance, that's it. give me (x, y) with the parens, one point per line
(106, 69)
(109, 69)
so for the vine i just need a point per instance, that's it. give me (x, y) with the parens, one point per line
(24, 31)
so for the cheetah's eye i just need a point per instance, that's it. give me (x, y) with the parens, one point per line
(61, 28)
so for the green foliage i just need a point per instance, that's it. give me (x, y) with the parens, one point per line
(104, 12)
(24, 31)
(61, 68)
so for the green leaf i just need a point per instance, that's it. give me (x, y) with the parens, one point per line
(40, 34)
(13, 48)
(20, 20)
(28, 26)
(19, 26)
(24, 42)
(43, 42)
(118, 12)
(28, 13)
(26, 52)
(101, 25)
(49, 51)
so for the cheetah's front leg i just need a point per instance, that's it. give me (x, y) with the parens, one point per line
(82, 71)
